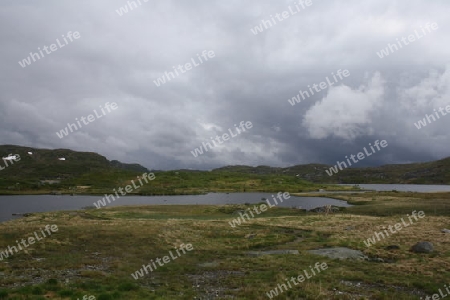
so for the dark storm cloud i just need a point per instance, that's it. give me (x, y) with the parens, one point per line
(117, 58)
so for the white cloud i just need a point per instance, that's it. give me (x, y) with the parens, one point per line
(210, 126)
(345, 112)
(432, 92)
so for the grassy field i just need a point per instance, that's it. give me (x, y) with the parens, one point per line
(95, 252)
(166, 183)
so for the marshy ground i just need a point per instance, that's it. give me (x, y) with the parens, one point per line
(96, 251)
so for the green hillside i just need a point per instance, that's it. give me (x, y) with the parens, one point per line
(43, 171)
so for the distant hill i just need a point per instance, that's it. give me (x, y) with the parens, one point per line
(60, 168)
(72, 172)
(435, 172)
(131, 167)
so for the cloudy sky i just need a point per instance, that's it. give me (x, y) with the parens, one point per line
(120, 53)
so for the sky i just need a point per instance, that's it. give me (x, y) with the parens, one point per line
(241, 61)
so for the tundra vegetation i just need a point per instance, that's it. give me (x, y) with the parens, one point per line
(95, 251)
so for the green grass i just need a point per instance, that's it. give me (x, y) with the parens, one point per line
(165, 183)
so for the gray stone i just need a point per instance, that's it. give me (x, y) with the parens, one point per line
(271, 252)
(445, 231)
(422, 247)
(340, 253)
(377, 259)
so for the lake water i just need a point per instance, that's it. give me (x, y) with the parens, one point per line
(421, 188)
(46, 203)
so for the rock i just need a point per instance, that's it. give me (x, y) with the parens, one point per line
(349, 228)
(445, 231)
(340, 253)
(22, 215)
(392, 247)
(271, 252)
(39, 259)
(422, 247)
(213, 264)
(377, 259)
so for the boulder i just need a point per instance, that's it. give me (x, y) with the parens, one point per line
(422, 247)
